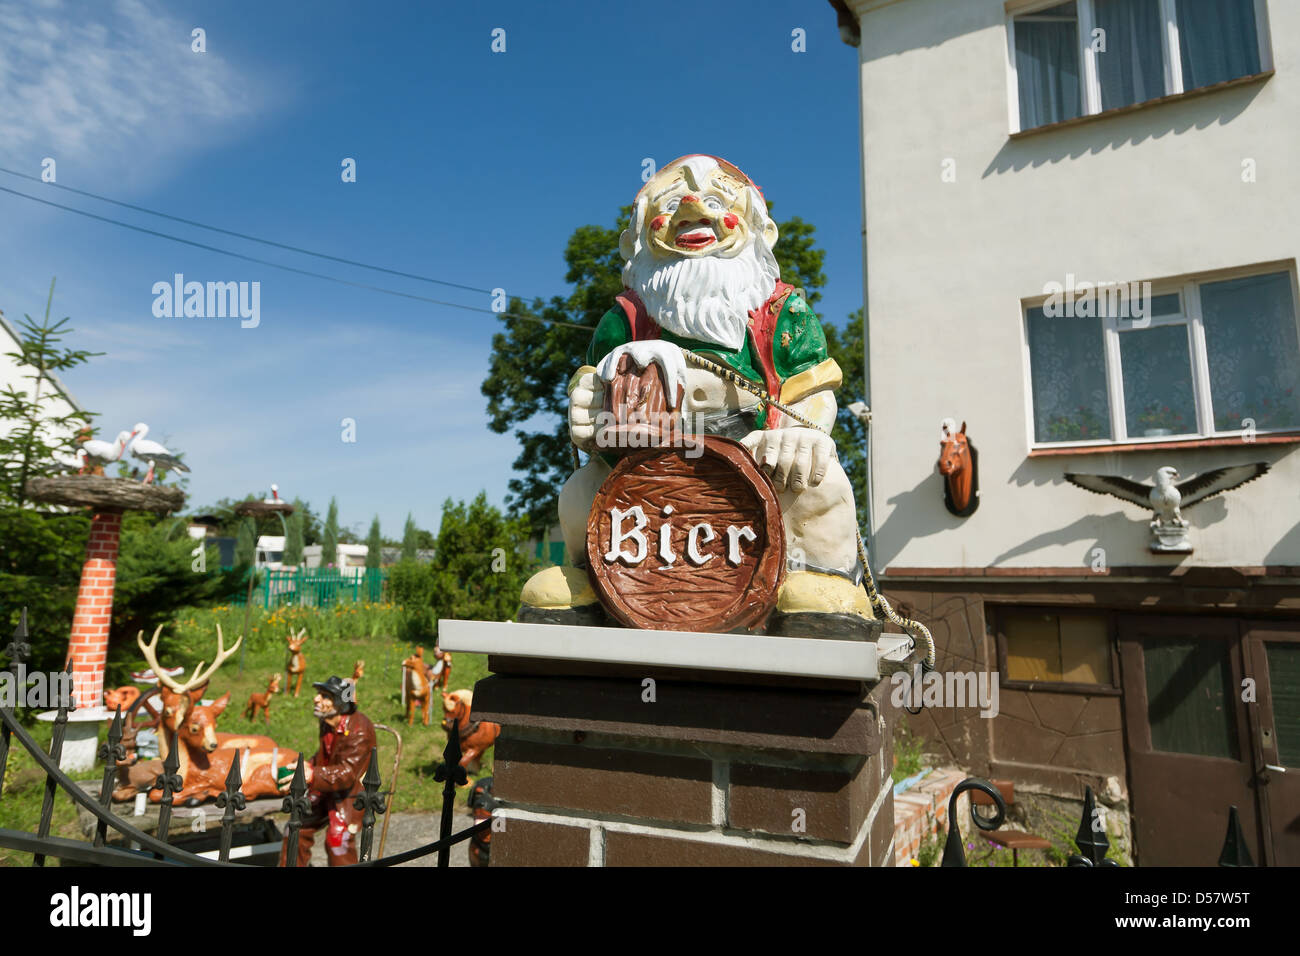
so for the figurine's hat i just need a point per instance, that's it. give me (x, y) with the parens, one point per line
(340, 691)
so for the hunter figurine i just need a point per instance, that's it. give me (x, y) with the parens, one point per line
(704, 302)
(334, 775)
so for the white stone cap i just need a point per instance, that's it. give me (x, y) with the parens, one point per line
(80, 715)
(737, 653)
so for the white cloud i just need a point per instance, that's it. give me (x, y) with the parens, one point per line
(110, 84)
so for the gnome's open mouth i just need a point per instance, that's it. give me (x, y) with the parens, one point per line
(695, 236)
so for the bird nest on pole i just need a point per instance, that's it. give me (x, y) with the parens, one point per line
(258, 508)
(105, 494)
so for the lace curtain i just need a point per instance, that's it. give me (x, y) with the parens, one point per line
(1067, 370)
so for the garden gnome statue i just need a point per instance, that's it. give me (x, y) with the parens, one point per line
(701, 283)
(334, 775)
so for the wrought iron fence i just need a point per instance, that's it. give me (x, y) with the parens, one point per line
(155, 850)
(1091, 840)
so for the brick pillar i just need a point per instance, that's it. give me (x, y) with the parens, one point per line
(590, 773)
(88, 646)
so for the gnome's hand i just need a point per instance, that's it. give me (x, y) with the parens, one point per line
(586, 399)
(798, 457)
(667, 356)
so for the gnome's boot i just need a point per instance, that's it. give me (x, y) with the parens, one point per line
(560, 595)
(817, 604)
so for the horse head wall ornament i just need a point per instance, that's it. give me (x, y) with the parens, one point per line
(959, 464)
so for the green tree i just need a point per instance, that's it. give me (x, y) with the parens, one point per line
(329, 555)
(374, 546)
(31, 434)
(479, 565)
(850, 433)
(543, 342)
(293, 542)
(246, 543)
(410, 542)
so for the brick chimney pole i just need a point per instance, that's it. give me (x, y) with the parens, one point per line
(88, 646)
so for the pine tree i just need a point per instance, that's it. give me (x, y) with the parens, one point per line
(293, 542)
(410, 540)
(374, 546)
(32, 435)
(329, 554)
(246, 543)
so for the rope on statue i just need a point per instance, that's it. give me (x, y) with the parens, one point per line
(744, 384)
(915, 629)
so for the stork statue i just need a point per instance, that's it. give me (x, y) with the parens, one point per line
(154, 453)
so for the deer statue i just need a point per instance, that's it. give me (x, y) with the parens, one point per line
(262, 702)
(297, 660)
(177, 700)
(122, 697)
(440, 670)
(415, 686)
(133, 775)
(204, 757)
(476, 736)
(358, 671)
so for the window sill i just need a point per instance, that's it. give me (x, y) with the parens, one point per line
(1145, 104)
(1279, 438)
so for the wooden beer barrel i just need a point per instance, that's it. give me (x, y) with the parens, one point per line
(687, 539)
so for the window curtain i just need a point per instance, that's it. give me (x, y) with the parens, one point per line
(1251, 339)
(1067, 371)
(1047, 66)
(1218, 41)
(1131, 68)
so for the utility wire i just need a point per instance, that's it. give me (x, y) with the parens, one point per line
(294, 269)
(244, 235)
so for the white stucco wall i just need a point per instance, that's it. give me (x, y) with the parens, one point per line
(14, 375)
(1150, 194)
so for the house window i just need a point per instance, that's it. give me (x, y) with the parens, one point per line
(1064, 648)
(1207, 358)
(1088, 56)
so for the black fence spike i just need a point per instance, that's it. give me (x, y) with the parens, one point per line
(230, 801)
(170, 783)
(1092, 841)
(371, 801)
(111, 751)
(1235, 851)
(51, 783)
(450, 774)
(296, 804)
(18, 650)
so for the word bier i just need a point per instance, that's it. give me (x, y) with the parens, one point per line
(618, 535)
(687, 543)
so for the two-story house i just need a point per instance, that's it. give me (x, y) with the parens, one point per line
(1082, 222)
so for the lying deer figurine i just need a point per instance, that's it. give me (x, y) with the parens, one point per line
(205, 759)
(262, 702)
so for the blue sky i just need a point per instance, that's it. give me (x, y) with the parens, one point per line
(472, 166)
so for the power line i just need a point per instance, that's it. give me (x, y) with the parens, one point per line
(244, 235)
(293, 269)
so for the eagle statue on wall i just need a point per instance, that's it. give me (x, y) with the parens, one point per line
(1168, 496)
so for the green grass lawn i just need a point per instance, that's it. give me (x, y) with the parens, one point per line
(292, 724)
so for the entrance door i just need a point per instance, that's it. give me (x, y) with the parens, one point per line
(1190, 754)
(1273, 658)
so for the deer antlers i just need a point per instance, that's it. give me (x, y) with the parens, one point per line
(200, 677)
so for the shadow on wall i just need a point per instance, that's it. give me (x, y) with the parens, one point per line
(918, 513)
(1127, 129)
(1286, 550)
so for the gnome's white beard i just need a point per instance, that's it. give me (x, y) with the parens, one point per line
(708, 298)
